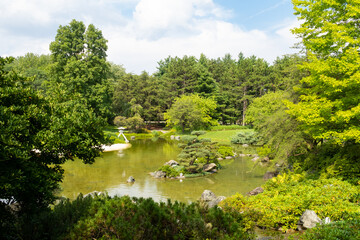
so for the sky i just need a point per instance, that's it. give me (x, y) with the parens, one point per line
(140, 33)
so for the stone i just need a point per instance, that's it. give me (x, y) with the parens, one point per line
(159, 174)
(265, 159)
(229, 157)
(256, 191)
(207, 196)
(209, 167)
(210, 199)
(215, 202)
(132, 137)
(245, 145)
(268, 175)
(177, 138)
(131, 179)
(255, 159)
(326, 220)
(94, 193)
(308, 219)
(172, 163)
(172, 137)
(219, 159)
(242, 155)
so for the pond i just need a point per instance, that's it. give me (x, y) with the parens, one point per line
(110, 172)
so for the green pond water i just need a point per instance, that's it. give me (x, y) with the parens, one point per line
(110, 172)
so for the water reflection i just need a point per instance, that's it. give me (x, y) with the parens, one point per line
(110, 172)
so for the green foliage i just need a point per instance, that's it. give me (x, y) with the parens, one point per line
(287, 196)
(245, 137)
(275, 127)
(329, 101)
(192, 112)
(195, 148)
(198, 133)
(132, 218)
(32, 65)
(37, 136)
(342, 230)
(79, 70)
(225, 151)
(120, 121)
(228, 127)
(172, 171)
(332, 161)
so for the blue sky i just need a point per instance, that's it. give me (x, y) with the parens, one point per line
(142, 32)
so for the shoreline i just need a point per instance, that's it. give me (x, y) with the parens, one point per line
(116, 147)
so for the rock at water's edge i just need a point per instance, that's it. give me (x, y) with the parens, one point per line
(210, 199)
(256, 191)
(131, 179)
(268, 175)
(159, 174)
(172, 163)
(209, 167)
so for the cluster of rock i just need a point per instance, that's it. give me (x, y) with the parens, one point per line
(209, 199)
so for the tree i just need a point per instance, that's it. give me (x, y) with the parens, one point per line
(276, 129)
(192, 112)
(36, 137)
(79, 70)
(329, 106)
(32, 65)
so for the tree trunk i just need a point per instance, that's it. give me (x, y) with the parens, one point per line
(244, 107)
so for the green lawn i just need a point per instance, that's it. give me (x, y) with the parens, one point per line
(224, 136)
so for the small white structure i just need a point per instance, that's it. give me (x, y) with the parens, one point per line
(121, 132)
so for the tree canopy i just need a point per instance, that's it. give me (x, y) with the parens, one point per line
(79, 69)
(329, 106)
(191, 111)
(37, 135)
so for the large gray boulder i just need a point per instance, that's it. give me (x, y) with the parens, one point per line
(209, 167)
(308, 219)
(209, 199)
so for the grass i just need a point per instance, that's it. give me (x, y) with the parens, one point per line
(224, 136)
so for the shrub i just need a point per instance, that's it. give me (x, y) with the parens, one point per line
(245, 137)
(139, 218)
(225, 151)
(170, 171)
(228, 127)
(287, 196)
(343, 230)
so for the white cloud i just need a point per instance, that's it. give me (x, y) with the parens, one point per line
(151, 31)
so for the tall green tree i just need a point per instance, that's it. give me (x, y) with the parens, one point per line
(329, 106)
(79, 70)
(191, 111)
(36, 137)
